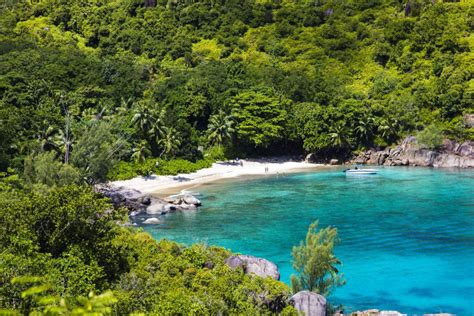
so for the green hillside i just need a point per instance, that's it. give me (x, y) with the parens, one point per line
(92, 90)
(260, 77)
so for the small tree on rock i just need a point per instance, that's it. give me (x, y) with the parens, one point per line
(315, 263)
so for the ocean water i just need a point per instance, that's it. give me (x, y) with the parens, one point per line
(407, 234)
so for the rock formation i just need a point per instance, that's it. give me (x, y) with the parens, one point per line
(139, 203)
(309, 303)
(253, 265)
(409, 153)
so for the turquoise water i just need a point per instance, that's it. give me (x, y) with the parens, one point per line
(407, 234)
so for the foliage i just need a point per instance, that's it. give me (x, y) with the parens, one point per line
(260, 117)
(430, 137)
(55, 305)
(220, 128)
(44, 172)
(70, 238)
(127, 170)
(315, 263)
(327, 77)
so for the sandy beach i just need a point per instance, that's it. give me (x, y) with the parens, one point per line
(166, 185)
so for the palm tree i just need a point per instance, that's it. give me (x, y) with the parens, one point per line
(140, 152)
(388, 128)
(47, 138)
(150, 123)
(220, 128)
(64, 141)
(143, 119)
(170, 141)
(158, 124)
(339, 135)
(365, 128)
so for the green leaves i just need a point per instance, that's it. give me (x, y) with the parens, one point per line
(220, 128)
(261, 117)
(315, 263)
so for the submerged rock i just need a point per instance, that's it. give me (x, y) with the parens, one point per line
(152, 221)
(309, 303)
(253, 265)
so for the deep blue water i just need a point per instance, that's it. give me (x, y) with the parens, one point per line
(407, 234)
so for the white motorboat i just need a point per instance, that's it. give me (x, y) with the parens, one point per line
(361, 171)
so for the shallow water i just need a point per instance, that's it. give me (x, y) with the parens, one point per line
(407, 234)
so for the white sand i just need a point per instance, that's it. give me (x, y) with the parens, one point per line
(165, 185)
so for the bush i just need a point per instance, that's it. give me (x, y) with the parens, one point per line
(127, 170)
(431, 137)
(315, 262)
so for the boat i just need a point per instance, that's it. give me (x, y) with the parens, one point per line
(361, 171)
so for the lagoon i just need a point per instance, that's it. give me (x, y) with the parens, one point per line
(407, 234)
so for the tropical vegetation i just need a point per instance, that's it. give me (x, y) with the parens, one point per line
(95, 90)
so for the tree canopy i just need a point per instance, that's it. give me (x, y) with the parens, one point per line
(325, 76)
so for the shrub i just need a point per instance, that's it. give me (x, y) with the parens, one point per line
(431, 137)
(127, 170)
(315, 262)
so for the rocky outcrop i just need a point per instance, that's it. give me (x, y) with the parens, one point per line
(253, 265)
(138, 203)
(309, 303)
(409, 153)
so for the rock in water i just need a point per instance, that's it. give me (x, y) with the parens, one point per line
(156, 208)
(309, 303)
(152, 221)
(189, 199)
(253, 265)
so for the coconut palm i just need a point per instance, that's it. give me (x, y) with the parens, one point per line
(169, 142)
(140, 152)
(150, 123)
(143, 119)
(220, 128)
(388, 128)
(64, 141)
(339, 135)
(365, 127)
(158, 123)
(46, 138)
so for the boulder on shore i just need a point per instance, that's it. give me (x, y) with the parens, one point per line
(253, 265)
(137, 202)
(309, 303)
(410, 153)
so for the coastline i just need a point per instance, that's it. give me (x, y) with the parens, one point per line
(162, 186)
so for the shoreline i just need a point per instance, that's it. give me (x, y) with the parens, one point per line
(161, 186)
